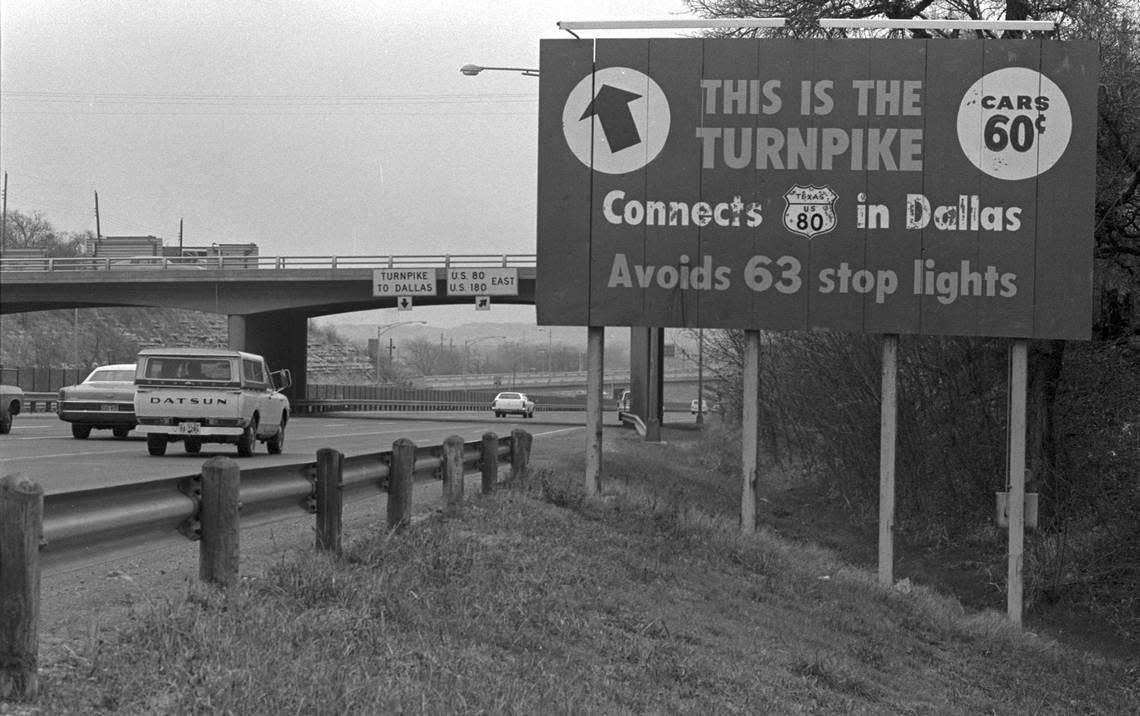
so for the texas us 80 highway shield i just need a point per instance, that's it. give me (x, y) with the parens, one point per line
(880, 186)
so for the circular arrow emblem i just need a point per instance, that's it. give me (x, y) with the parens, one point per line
(616, 120)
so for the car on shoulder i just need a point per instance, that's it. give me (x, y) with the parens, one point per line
(512, 404)
(11, 402)
(624, 403)
(105, 400)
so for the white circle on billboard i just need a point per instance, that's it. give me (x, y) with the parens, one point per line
(616, 120)
(1014, 123)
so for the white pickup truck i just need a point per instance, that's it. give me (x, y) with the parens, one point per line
(203, 395)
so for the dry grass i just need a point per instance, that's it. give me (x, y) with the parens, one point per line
(537, 600)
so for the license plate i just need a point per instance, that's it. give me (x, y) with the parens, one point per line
(189, 428)
(109, 408)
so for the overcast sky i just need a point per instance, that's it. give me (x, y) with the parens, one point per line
(306, 127)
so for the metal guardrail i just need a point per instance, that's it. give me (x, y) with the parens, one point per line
(128, 265)
(209, 507)
(539, 378)
(39, 402)
(103, 518)
(386, 404)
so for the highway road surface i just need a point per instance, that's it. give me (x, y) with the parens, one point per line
(41, 448)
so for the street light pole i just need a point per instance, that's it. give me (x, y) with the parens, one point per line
(472, 70)
(549, 346)
(467, 355)
(381, 330)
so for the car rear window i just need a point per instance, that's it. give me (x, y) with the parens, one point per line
(109, 375)
(509, 396)
(189, 369)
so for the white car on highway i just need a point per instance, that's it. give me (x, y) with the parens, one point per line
(11, 401)
(512, 403)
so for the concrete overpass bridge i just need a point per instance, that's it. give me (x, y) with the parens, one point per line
(267, 299)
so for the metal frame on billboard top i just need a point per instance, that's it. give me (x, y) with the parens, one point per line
(1016, 428)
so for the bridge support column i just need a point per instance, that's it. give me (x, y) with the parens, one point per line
(235, 332)
(647, 377)
(281, 337)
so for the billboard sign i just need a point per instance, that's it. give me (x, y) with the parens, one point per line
(881, 186)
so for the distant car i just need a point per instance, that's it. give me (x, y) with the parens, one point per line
(11, 401)
(105, 400)
(701, 405)
(512, 403)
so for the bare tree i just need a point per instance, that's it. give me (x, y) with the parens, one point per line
(29, 231)
(1112, 23)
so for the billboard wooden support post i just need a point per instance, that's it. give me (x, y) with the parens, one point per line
(750, 431)
(595, 361)
(1018, 383)
(888, 414)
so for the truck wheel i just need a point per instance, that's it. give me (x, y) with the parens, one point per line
(156, 445)
(248, 439)
(277, 443)
(193, 446)
(80, 432)
(120, 433)
(5, 422)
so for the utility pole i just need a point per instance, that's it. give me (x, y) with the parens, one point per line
(98, 231)
(4, 225)
(180, 237)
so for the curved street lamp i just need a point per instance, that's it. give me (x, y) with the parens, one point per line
(466, 353)
(472, 70)
(381, 330)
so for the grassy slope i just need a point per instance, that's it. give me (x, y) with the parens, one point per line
(537, 601)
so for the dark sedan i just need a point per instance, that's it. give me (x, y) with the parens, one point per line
(104, 401)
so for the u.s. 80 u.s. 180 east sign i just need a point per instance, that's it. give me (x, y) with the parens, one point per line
(886, 186)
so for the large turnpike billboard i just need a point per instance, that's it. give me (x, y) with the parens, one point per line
(881, 186)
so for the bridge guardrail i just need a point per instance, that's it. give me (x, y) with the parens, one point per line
(185, 263)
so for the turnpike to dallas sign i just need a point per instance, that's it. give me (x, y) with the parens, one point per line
(882, 186)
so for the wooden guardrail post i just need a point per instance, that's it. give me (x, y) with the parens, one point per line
(452, 472)
(520, 453)
(490, 465)
(21, 524)
(400, 476)
(330, 500)
(218, 552)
